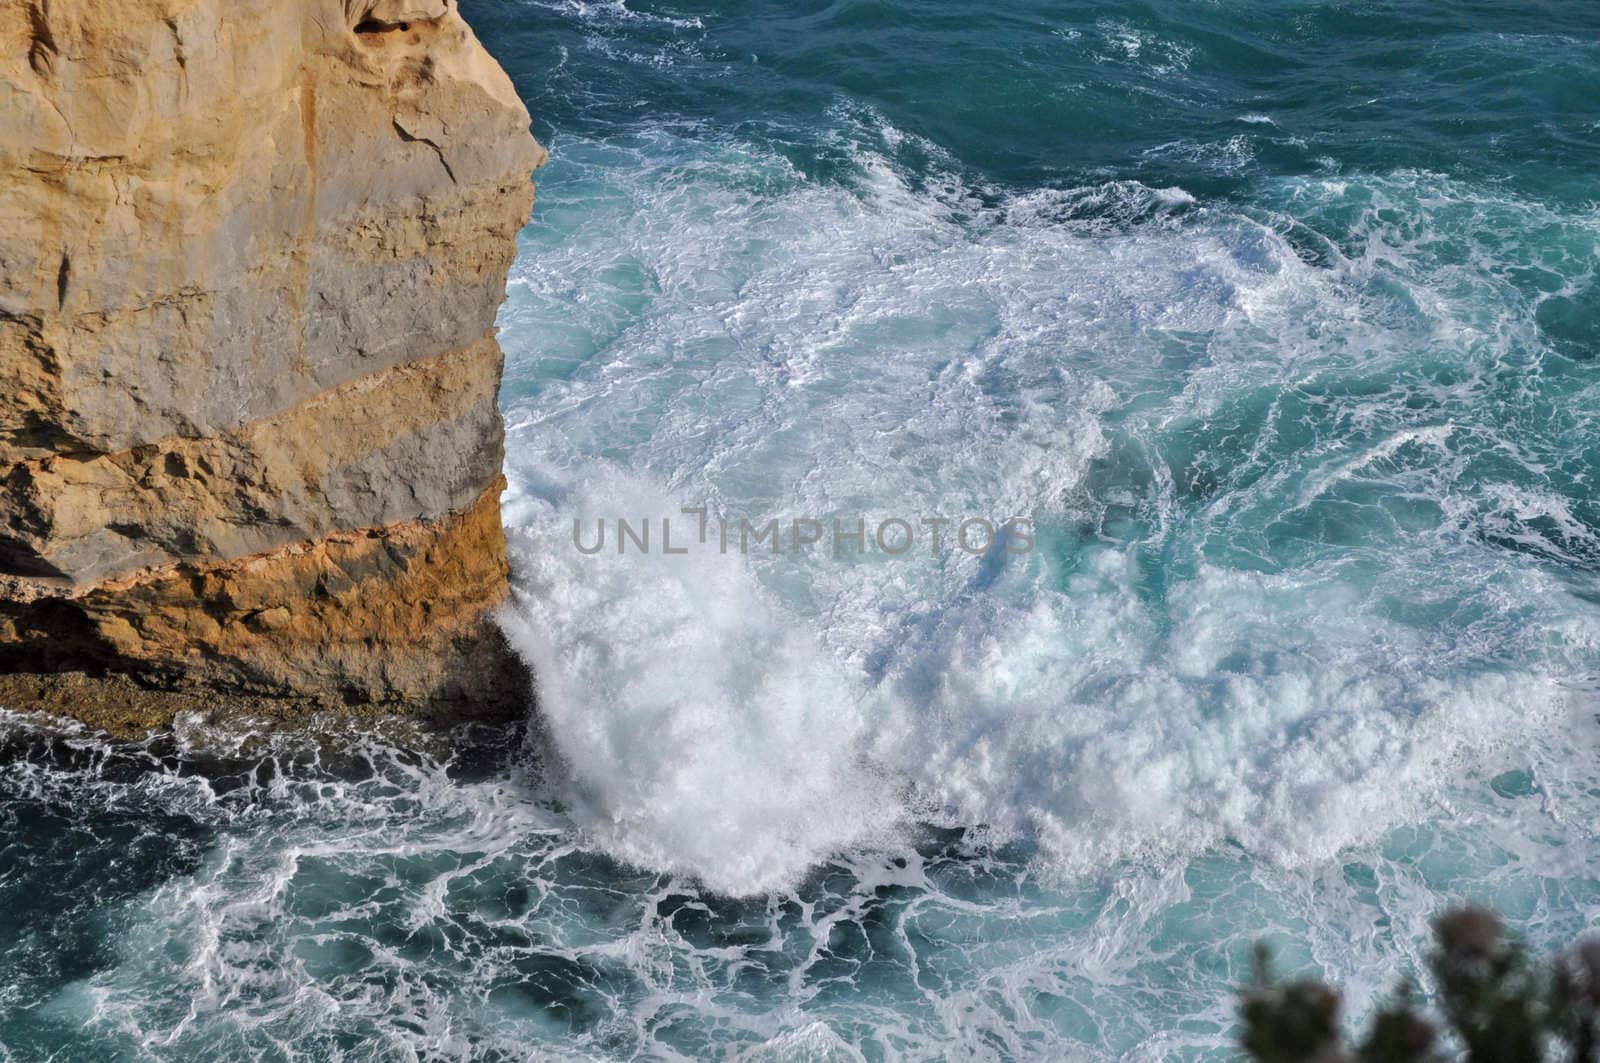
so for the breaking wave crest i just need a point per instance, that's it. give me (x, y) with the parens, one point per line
(1274, 605)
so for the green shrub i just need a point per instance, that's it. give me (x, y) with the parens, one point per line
(1497, 1005)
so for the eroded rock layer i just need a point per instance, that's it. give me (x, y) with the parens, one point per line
(251, 253)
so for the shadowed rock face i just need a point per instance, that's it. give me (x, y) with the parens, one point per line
(251, 253)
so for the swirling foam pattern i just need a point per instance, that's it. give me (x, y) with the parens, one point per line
(1279, 322)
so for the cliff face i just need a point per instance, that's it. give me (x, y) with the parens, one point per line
(251, 253)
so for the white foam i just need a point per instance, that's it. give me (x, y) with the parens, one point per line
(787, 347)
(611, 12)
(702, 729)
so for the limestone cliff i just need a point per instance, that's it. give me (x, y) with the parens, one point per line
(251, 253)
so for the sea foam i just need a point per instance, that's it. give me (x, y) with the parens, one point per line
(1244, 514)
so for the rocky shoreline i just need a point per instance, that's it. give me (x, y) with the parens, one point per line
(249, 434)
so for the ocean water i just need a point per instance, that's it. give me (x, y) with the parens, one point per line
(1278, 321)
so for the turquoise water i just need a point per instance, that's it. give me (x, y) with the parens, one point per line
(1280, 323)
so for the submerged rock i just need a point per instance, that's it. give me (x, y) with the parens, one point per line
(251, 254)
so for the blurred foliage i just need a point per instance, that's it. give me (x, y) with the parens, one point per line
(1494, 1005)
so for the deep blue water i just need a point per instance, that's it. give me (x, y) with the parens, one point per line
(1280, 324)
